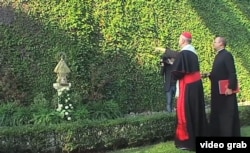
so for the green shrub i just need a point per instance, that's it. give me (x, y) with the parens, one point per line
(7, 111)
(80, 113)
(244, 115)
(104, 110)
(89, 135)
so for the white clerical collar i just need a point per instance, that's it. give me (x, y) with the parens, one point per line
(189, 47)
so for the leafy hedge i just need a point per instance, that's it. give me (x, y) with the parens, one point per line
(87, 135)
(110, 46)
(94, 136)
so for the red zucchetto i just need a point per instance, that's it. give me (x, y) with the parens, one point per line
(187, 35)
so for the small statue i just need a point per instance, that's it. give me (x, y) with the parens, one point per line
(62, 71)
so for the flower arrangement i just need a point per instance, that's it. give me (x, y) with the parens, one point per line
(65, 106)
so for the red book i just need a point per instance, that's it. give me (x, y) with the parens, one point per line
(223, 84)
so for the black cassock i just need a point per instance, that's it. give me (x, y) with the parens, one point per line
(191, 116)
(224, 117)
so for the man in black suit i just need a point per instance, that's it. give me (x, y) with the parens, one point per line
(167, 61)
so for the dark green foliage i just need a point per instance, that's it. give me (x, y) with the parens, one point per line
(43, 112)
(10, 116)
(10, 86)
(80, 113)
(104, 110)
(39, 112)
(109, 46)
(88, 135)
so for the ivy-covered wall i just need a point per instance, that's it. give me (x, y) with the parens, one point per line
(110, 45)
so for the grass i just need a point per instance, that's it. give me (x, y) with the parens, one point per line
(168, 147)
(245, 131)
(164, 147)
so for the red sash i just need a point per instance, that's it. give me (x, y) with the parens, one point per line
(181, 130)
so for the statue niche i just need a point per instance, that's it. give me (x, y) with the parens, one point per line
(62, 71)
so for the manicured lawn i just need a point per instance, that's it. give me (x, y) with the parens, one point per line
(245, 131)
(168, 147)
(164, 147)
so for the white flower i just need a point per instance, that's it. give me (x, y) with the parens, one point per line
(58, 109)
(60, 105)
(63, 103)
(59, 93)
(100, 133)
